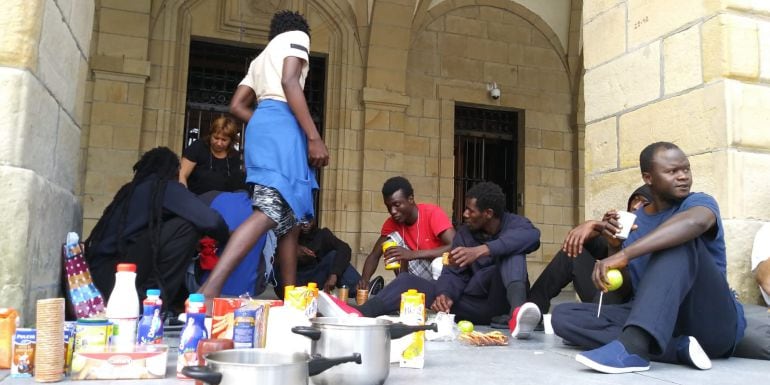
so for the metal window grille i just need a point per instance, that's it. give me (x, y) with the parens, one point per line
(485, 150)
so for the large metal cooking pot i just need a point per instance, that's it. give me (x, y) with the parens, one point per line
(368, 336)
(242, 366)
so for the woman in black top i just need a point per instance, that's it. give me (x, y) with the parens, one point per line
(213, 163)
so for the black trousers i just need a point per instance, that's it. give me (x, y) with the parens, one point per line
(178, 240)
(682, 293)
(563, 270)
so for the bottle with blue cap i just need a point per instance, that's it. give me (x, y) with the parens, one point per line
(193, 331)
(150, 329)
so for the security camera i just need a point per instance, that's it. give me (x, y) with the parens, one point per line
(494, 91)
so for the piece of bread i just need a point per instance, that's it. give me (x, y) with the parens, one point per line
(493, 338)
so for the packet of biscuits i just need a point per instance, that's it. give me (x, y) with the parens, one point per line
(493, 338)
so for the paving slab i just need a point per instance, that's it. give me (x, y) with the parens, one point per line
(543, 359)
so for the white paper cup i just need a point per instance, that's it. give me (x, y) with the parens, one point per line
(626, 222)
(548, 328)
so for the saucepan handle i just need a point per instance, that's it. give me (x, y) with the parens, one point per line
(307, 331)
(398, 330)
(318, 364)
(203, 373)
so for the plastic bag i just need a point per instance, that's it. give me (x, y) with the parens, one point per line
(86, 299)
(447, 330)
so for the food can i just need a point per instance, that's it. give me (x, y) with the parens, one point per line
(343, 293)
(92, 335)
(362, 295)
(243, 331)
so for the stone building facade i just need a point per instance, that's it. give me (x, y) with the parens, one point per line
(587, 82)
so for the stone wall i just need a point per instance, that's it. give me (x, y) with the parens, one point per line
(379, 121)
(451, 61)
(44, 56)
(687, 72)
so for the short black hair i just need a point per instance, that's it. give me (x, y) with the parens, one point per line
(285, 21)
(397, 183)
(488, 196)
(645, 157)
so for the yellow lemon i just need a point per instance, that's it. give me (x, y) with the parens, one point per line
(465, 326)
(615, 278)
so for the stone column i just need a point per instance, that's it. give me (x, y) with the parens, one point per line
(687, 72)
(120, 72)
(43, 64)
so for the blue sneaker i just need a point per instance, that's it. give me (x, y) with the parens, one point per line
(613, 358)
(689, 352)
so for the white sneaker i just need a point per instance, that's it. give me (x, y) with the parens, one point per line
(524, 320)
(690, 352)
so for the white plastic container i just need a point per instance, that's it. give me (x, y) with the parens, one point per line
(123, 307)
(279, 335)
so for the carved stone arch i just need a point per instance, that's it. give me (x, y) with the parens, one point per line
(171, 27)
(425, 14)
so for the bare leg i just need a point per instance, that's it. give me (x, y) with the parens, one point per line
(287, 256)
(241, 241)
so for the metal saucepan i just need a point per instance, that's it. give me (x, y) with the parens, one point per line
(369, 336)
(241, 366)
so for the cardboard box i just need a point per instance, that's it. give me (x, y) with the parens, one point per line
(145, 362)
(223, 322)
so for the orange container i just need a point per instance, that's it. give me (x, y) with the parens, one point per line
(8, 319)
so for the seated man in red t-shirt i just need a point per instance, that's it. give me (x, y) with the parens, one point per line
(487, 271)
(424, 228)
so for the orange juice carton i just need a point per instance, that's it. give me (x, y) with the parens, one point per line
(413, 313)
(9, 320)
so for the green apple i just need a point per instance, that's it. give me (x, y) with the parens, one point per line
(465, 326)
(615, 278)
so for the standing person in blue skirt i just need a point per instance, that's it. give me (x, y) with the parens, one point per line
(282, 149)
(683, 310)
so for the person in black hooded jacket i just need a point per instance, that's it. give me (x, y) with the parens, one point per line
(154, 222)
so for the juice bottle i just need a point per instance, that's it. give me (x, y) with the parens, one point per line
(150, 329)
(194, 330)
(123, 307)
(385, 246)
(413, 313)
(9, 319)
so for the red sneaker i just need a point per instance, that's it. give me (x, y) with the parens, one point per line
(523, 321)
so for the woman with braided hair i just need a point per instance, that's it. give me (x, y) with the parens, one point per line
(155, 223)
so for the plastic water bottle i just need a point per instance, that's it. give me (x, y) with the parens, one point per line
(123, 307)
(194, 330)
(151, 325)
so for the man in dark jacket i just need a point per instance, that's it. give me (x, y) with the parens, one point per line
(487, 274)
(155, 223)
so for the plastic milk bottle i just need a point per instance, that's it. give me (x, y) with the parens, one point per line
(123, 307)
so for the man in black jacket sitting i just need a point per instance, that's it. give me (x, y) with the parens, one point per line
(155, 223)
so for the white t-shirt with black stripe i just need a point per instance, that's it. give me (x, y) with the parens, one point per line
(265, 72)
